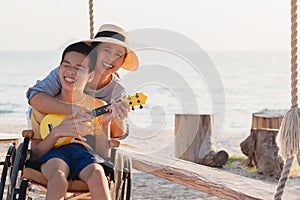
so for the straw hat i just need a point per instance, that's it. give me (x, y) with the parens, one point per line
(116, 35)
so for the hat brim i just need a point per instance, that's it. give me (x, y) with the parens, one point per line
(131, 61)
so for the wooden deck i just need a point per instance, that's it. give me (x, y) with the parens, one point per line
(213, 181)
(209, 180)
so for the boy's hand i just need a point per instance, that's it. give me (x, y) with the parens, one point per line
(79, 109)
(75, 125)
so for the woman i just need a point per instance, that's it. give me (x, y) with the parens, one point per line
(113, 53)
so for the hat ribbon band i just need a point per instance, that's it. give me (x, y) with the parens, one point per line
(111, 34)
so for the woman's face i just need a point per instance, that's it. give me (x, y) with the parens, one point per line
(110, 57)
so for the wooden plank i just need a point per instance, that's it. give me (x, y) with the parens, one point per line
(6, 138)
(205, 179)
(83, 196)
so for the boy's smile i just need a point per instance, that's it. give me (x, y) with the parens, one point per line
(69, 80)
(74, 72)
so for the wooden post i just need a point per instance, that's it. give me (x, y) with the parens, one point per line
(194, 140)
(260, 146)
(268, 119)
(262, 151)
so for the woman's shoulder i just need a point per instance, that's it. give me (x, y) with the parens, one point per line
(115, 86)
(115, 89)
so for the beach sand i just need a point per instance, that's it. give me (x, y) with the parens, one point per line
(147, 186)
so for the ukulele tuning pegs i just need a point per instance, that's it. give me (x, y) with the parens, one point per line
(132, 108)
(129, 98)
(137, 95)
(141, 107)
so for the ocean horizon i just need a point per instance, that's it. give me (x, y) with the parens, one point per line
(251, 81)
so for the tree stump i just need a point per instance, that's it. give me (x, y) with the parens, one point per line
(269, 119)
(262, 151)
(260, 146)
(194, 140)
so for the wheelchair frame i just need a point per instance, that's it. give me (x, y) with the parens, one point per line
(17, 187)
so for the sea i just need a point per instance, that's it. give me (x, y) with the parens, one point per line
(229, 85)
(239, 84)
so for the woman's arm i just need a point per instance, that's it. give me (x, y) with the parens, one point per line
(118, 128)
(47, 104)
(120, 113)
(50, 85)
(41, 95)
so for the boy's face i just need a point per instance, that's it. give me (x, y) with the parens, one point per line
(110, 57)
(74, 72)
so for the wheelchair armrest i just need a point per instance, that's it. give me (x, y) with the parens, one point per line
(27, 133)
(33, 164)
(114, 143)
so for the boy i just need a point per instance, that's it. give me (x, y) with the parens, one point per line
(75, 159)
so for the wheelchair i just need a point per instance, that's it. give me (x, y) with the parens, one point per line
(20, 180)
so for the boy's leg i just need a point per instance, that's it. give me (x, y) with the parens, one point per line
(94, 176)
(102, 146)
(56, 171)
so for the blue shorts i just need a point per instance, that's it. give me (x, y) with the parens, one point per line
(77, 156)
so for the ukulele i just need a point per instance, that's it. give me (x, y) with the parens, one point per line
(52, 120)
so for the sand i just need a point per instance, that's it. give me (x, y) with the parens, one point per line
(146, 186)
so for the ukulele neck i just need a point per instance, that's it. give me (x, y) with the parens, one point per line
(100, 111)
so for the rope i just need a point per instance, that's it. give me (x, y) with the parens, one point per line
(91, 14)
(283, 179)
(290, 127)
(294, 57)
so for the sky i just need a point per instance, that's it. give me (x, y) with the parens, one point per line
(216, 25)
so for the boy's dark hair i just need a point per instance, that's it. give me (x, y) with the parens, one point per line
(83, 48)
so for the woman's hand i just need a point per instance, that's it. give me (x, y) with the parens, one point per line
(117, 111)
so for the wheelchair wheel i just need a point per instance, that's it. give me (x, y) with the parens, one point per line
(14, 173)
(10, 156)
(127, 177)
(23, 190)
(17, 169)
(118, 176)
